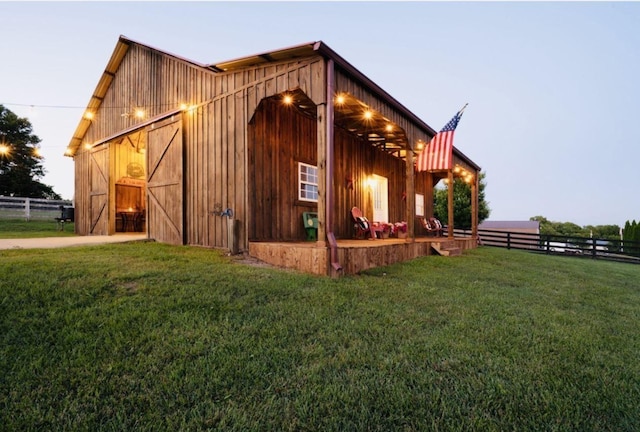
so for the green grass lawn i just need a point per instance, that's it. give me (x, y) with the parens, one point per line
(12, 228)
(150, 337)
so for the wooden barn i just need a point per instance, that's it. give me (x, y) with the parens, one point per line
(264, 155)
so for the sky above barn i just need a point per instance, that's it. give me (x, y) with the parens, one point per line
(553, 88)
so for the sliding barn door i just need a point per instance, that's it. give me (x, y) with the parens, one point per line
(165, 184)
(99, 191)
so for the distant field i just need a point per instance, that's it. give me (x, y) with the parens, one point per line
(16, 228)
(148, 337)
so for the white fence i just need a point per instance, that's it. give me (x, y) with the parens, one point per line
(31, 208)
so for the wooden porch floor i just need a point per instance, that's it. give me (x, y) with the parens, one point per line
(353, 255)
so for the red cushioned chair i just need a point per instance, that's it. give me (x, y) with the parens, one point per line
(361, 225)
(433, 226)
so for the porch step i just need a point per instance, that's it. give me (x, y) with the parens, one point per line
(446, 248)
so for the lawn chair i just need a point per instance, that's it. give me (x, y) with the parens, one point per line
(361, 225)
(66, 215)
(310, 221)
(433, 226)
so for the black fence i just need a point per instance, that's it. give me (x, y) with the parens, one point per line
(583, 247)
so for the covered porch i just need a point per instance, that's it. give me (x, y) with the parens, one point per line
(355, 255)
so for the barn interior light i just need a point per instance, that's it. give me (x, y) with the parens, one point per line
(340, 99)
(389, 127)
(368, 115)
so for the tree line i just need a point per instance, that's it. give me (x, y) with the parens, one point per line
(570, 229)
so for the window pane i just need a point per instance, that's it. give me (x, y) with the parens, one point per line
(307, 182)
(419, 205)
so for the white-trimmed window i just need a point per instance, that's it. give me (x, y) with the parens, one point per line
(419, 205)
(307, 182)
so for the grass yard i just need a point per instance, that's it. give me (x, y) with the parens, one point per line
(150, 337)
(15, 228)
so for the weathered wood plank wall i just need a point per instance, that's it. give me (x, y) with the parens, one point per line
(215, 133)
(259, 182)
(280, 138)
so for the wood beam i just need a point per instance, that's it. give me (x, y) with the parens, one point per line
(410, 197)
(322, 173)
(474, 205)
(450, 205)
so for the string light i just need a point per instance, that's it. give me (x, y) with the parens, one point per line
(4, 149)
(287, 99)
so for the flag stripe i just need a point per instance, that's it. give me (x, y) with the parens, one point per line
(438, 154)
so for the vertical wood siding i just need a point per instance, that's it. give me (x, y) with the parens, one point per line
(229, 164)
(280, 138)
(215, 134)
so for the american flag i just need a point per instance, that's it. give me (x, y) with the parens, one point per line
(438, 154)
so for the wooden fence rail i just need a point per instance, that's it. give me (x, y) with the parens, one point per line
(585, 247)
(31, 208)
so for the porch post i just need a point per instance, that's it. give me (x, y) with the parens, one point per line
(428, 195)
(322, 174)
(410, 196)
(474, 205)
(450, 205)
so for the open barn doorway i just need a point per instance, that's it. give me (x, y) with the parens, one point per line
(130, 182)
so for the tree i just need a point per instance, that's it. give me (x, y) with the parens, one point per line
(20, 161)
(570, 229)
(631, 235)
(461, 203)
